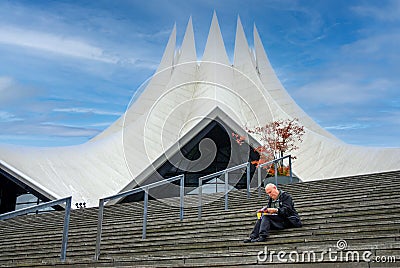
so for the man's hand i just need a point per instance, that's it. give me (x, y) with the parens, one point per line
(268, 210)
(272, 210)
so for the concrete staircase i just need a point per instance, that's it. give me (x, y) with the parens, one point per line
(363, 210)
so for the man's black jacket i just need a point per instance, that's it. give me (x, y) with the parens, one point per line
(286, 209)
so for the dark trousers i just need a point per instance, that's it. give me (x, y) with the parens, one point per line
(266, 223)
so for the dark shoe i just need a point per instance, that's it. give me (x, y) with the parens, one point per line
(250, 240)
(261, 239)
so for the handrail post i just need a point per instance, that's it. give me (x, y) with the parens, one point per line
(290, 169)
(99, 229)
(67, 216)
(226, 189)
(145, 207)
(65, 229)
(219, 173)
(200, 197)
(181, 196)
(248, 179)
(274, 162)
(144, 189)
(259, 181)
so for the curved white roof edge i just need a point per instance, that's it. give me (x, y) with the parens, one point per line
(173, 107)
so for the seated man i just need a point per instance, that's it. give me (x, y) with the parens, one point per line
(277, 215)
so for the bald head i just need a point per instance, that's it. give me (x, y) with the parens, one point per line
(272, 191)
(270, 186)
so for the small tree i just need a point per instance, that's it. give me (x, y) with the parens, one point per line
(277, 138)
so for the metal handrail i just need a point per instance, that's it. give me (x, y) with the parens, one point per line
(145, 189)
(226, 178)
(276, 173)
(67, 214)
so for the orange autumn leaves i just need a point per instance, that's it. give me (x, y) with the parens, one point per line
(277, 139)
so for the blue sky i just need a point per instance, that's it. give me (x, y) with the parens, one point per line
(69, 68)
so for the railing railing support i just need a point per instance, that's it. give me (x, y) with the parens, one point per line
(181, 198)
(219, 173)
(290, 169)
(259, 181)
(67, 216)
(34, 209)
(248, 179)
(226, 189)
(276, 170)
(200, 197)
(145, 208)
(99, 228)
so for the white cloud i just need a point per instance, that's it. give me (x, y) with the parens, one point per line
(65, 130)
(102, 124)
(8, 117)
(85, 110)
(389, 117)
(347, 126)
(47, 129)
(161, 33)
(390, 12)
(53, 43)
(79, 125)
(342, 89)
(5, 82)
(11, 91)
(375, 46)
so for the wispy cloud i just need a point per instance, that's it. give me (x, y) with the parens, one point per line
(162, 33)
(12, 91)
(391, 117)
(54, 43)
(48, 129)
(347, 127)
(8, 117)
(375, 46)
(342, 89)
(102, 124)
(66, 131)
(80, 110)
(80, 126)
(389, 12)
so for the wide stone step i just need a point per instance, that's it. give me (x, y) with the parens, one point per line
(276, 236)
(175, 237)
(139, 213)
(325, 213)
(306, 216)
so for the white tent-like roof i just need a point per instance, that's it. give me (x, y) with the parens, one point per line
(175, 105)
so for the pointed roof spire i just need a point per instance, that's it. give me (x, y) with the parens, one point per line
(168, 56)
(261, 56)
(264, 67)
(215, 48)
(242, 54)
(188, 49)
